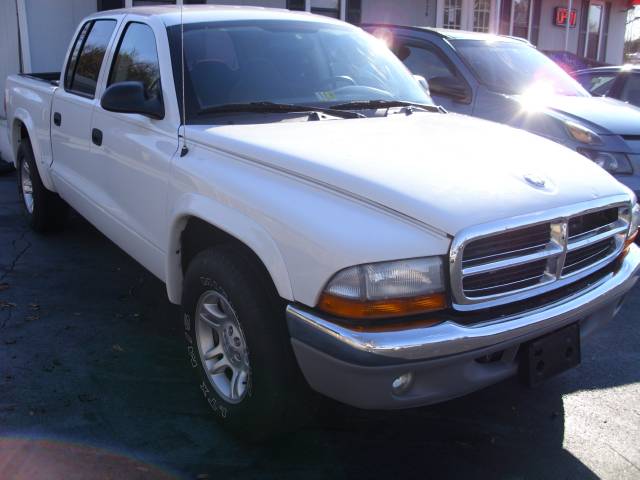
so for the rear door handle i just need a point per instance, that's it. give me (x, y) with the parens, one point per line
(57, 119)
(96, 136)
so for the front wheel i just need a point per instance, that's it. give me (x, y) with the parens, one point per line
(238, 345)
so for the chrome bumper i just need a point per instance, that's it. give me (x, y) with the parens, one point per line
(446, 360)
(449, 338)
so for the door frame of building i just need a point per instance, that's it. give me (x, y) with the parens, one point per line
(603, 14)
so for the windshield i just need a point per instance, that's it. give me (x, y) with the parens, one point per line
(515, 68)
(292, 62)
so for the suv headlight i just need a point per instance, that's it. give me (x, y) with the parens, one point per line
(617, 163)
(582, 134)
(386, 289)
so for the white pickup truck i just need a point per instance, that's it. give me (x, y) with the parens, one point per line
(320, 221)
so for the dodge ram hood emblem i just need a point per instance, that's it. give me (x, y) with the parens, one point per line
(536, 181)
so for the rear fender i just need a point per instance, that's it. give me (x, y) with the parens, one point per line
(40, 143)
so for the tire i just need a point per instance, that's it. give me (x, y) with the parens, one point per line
(272, 396)
(45, 210)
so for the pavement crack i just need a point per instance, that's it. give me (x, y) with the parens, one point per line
(624, 457)
(18, 255)
(7, 318)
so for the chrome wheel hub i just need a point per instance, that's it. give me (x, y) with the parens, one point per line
(222, 347)
(26, 186)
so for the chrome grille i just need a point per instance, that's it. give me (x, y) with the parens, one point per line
(508, 261)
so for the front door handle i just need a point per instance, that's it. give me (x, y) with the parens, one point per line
(96, 136)
(57, 119)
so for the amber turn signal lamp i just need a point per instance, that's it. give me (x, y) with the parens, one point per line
(348, 308)
(630, 240)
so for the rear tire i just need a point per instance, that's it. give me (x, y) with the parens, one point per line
(233, 316)
(45, 210)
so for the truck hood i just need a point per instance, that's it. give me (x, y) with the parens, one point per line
(602, 115)
(445, 170)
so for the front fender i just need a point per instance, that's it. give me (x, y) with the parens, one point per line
(235, 224)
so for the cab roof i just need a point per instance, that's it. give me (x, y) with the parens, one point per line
(170, 14)
(451, 34)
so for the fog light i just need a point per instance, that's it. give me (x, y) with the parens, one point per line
(402, 383)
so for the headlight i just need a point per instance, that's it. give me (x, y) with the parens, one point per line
(617, 163)
(582, 133)
(386, 289)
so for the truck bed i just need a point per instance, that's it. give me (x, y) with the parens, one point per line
(29, 98)
(50, 77)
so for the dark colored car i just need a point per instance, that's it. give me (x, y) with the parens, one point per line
(621, 83)
(507, 80)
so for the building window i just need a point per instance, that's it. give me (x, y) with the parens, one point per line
(452, 14)
(354, 11)
(329, 8)
(146, 3)
(481, 15)
(110, 4)
(296, 5)
(520, 14)
(516, 18)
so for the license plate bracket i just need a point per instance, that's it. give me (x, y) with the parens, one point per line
(551, 354)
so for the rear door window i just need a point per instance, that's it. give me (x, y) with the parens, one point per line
(631, 90)
(87, 56)
(598, 84)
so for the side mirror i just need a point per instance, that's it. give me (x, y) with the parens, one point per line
(129, 97)
(423, 83)
(451, 87)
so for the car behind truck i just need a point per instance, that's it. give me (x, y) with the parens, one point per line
(320, 221)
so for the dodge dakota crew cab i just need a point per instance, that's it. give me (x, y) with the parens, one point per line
(320, 221)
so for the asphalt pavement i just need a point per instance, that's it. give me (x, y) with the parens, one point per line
(94, 383)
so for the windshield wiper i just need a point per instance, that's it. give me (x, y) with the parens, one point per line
(372, 104)
(272, 107)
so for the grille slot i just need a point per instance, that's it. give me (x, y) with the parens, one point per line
(514, 243)
(586, 256)
(504, 280)
(498, 264)
(591, 222)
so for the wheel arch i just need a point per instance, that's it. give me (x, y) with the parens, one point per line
(201, 223)
(22, 127)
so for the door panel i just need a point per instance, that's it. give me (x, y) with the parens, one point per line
(72, 110)
(136, 151)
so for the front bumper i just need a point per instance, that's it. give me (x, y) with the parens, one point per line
(446, 360)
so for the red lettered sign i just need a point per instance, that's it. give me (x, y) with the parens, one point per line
(561, 15)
